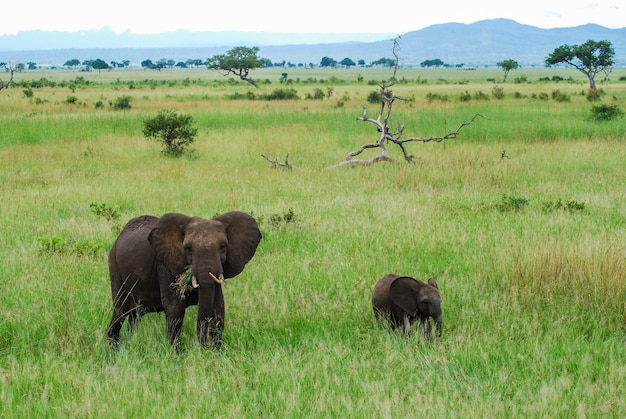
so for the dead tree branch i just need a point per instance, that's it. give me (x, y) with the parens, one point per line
(449, 135)
(276, 164)
(2, 84)
(382, 125)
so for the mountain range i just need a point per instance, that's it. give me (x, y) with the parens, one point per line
(478, 44)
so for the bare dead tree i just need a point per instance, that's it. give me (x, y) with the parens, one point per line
(382, 126)
(11, 71)
(277, 164)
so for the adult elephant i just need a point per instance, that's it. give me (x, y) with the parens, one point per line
(151, 253)
(402, 300)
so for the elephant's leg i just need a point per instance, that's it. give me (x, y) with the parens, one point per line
(408, 326)
(174, 324)
(425, 327)
(113, 332)
(133, 318)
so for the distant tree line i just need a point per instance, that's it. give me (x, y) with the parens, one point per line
(437, 62)
(590, 58)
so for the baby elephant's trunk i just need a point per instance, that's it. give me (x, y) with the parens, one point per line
(438, 326)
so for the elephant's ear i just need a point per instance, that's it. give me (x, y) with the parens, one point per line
(403, 292)
(432, 283)
(243, 238)
(166, 239)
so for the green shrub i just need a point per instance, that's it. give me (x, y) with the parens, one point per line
(605, 112)
(569, 206)
(242, 96)
(431, 97)
(122, 103)
(281, 94)
(174, 131)
(498, 92)
(480, 95)
(277, 220)
(560, 96)
(374, 97)
(465, 96)
(57, 245)
(318, 94)
(594, 95)
(105, 211)
(511, 203)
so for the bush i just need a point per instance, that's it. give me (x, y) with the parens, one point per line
(282, 94)
(431, 97)
(174, 131)
(103, 210)
(318, 94)
(242, 96)
(559, 204)
(511, 203)
(374, 97)
(465, 97)
(560, 96)
(62, 246)
(498, 92)
(605, 112)
(279, 221)
(121, 103)
(594, 95)
(480, 95)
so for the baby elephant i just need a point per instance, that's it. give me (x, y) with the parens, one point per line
(402, 300)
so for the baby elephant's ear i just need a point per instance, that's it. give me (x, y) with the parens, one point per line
(432, 283)
(403, 292)
(243, 238)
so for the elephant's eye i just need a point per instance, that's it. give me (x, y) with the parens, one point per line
(222, 247)
(187, 248)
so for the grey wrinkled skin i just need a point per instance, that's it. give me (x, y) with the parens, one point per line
(151, 252)
(402, 300)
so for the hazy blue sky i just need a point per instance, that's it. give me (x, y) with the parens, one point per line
(340, 16)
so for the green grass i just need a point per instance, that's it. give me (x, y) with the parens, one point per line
(533, 300)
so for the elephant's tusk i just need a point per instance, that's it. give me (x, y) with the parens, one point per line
(194, 282)
(220, 281)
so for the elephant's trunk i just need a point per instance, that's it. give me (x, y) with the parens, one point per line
(210, 321)
(438, 326)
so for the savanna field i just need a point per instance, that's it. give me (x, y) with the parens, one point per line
(528, 249)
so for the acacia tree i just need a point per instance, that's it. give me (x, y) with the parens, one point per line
(508, 65)
(238, 61)
(347, 62)
(386, 134)
(99, 64)
(73, 63)
(589, 58)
